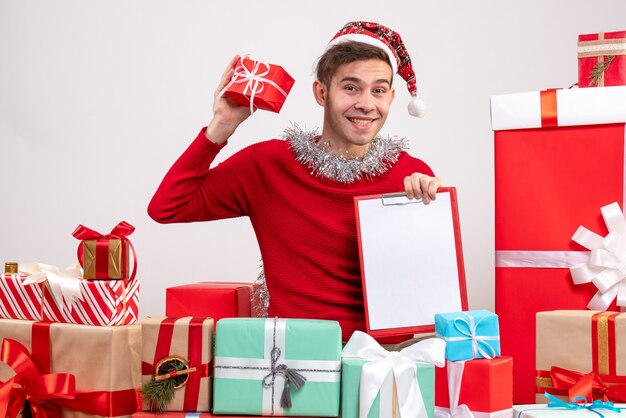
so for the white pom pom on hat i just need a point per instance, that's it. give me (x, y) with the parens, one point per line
(390, 41)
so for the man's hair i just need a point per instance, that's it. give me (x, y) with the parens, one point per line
(345, 53)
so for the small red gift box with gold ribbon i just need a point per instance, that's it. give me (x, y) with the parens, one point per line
(106, 256)
(602, 59)
(69, 371)
(581, 353)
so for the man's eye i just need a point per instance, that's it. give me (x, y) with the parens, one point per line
(380, 91)
(350, 88)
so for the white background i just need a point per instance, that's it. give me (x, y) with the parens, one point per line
(98, 98)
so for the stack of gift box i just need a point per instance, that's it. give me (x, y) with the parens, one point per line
(560, 249)
(71, 344)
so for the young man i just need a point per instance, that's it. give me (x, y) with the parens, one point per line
(298, 192)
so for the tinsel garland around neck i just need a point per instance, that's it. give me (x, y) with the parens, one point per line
(382, 154)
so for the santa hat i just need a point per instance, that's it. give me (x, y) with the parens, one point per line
(381, 36)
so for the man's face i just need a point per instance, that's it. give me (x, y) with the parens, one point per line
(356, 104)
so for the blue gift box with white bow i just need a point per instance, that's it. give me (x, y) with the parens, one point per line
(469, 334)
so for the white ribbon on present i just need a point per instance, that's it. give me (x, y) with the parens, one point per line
(401, 364)
(606, 267)
(64, 286)
(254, 78)
(261, 369)
(468, 330)
(455, 376)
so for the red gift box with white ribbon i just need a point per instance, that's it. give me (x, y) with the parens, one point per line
(259, 85)
(559, 158)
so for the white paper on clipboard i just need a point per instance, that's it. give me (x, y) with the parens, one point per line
(411, 260)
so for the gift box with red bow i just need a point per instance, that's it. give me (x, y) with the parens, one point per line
(581, 353)
(259, 85)
(180, 349)
(106, 256)
(602, 59)
(69, 371)
(550, 146)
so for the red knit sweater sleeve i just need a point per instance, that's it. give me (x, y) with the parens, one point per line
(191, 192)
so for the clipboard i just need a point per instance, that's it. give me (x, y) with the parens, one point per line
(411, 261)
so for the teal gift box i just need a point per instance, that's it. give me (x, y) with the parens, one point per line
(469, 334)
(384, 403)
(271, 366)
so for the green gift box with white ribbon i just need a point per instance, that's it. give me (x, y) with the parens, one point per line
(376, 383)
(272, 366)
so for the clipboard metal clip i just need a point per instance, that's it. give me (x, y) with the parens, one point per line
(390, 199)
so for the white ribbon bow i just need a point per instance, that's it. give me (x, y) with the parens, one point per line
(401, 364)
(455, 376)
(606, 267)
(469, 331)
(254, 78)
(64, 286)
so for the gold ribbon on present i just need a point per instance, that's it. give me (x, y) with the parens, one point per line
(601, 48)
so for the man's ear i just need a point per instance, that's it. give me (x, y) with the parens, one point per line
(320, 92)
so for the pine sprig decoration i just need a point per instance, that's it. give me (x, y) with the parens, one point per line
(598, 70)
(160, 393)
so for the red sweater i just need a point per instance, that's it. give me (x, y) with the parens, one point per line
(305, 224)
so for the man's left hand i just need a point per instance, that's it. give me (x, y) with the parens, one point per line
(421, 186)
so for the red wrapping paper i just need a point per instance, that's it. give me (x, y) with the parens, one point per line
(486, 386)
(215, 300)
(260, 82)
(548, 182)
(597, 47)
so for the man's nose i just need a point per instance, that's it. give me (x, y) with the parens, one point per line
(365, 102)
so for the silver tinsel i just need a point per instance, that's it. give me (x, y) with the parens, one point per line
(382, 154)
(260, 296)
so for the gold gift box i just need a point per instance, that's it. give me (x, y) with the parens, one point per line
(117, 259)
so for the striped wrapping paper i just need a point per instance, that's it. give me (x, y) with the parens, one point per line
(105, 302)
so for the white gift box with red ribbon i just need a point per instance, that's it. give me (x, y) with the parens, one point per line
(558, 107)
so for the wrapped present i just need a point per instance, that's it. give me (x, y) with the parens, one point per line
(169, 414)
(277, 367)
(259, 85)
(469, 334)
(602, 59)
(378, 383)
(169, 347)
(577, 145)
(42, 292)
(581, 353)
(216, 300)
(106, 256)
(557, 408)
(88, 371)
(483, 386)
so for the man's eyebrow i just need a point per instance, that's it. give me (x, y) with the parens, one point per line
(359, 81)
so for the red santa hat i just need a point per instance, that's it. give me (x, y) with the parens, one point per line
(381, 36)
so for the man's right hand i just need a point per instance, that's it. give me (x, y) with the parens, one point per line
(227, 115)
